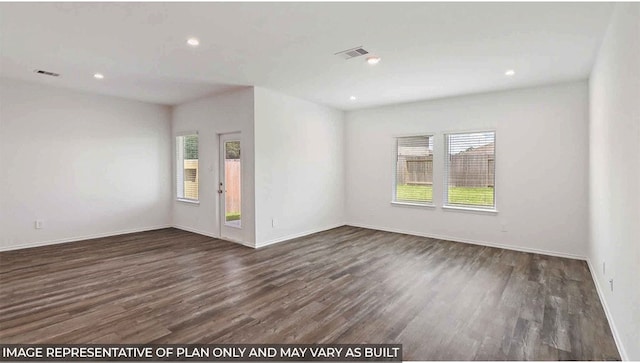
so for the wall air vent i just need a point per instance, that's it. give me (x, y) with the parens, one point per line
(47, 73)
(352, 53)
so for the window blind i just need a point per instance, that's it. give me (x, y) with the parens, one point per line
(187, 173)
(414, 169)
(470, 169)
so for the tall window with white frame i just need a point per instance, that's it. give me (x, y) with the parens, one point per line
(187, 171)
(470, 170)
(414, 170)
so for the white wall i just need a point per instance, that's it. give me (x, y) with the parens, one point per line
(86, 165)
(299, 167)
(211, 116)
(541, 168)
(615, 175)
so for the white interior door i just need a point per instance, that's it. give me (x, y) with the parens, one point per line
(230, 187)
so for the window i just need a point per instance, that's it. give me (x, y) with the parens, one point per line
(233, 184)
(414, 170)
(187, 167)
(470, 170)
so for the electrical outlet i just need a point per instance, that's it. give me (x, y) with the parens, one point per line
(39, 224)
(611, 284)
(503, 227)
(604, 268)
(273, 223)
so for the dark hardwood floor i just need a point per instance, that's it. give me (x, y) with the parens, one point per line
(441, 300)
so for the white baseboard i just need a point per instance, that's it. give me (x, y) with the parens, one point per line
(264, 244)
(81, 238)
(236, 241)
(194, 230)
(607, 312)
(474, 242)
(212, 235)
(298, 235)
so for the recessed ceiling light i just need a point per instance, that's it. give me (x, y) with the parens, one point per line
(194, 42)
(509, 72)
(352, 98)
(373, 60)
(98, 76)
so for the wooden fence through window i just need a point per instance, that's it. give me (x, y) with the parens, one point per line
(233, 182)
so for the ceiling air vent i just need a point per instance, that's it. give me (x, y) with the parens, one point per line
(352, 53)
(47, 73)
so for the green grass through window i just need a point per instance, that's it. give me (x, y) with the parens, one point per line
(457, 195)
(232, 216)
(414, 193)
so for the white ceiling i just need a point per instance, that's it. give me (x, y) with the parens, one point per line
(428, 50)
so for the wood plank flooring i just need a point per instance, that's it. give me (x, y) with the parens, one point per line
(442, 300)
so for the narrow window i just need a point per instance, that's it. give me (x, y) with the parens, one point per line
(233, 184)
(414, 170)
(470, 170)
(187, 167)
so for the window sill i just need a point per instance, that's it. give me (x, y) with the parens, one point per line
(470, 209)
(409, 204)
(188, 201)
